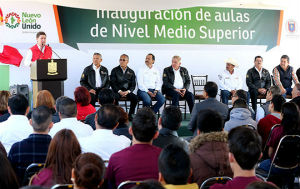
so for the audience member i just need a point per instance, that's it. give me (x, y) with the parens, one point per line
(83, 99)
(209, 150)
(67, 113)
(16, 127)
(4, 114)
(63, 150)
(105, 97)
(244, 153)
(33, 149)
(265, 124)
(88, 171)
(123, 126)
(103, 142)
(174, 167)
(139, 161)
(239, 115)
(296, 95)
(168, 124)
(261, 185)
(149, 184)
(55, 116)
(210, 92)
(8, 179)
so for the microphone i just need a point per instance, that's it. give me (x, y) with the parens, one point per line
(54, 52)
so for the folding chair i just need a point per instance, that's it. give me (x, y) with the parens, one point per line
(213, 180)
(198, 83)
(62, 186)
(265, 152)
(30, 171)
(125, 184)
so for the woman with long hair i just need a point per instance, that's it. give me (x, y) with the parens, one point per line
(8, 178)
(4, 95)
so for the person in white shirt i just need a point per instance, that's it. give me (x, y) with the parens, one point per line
(17, 126)
(229, 80)
(149, 84)
(103, 142)
(67, 113)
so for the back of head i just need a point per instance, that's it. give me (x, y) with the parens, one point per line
(82, 96)
(123, 119)
(108, 116)
(241, 94)
(174, 165)
(4, 95)
(171, 118)
(290, 118)
(106, 96)
(209, 121)
(277, 102)
(149, 184)
(58, 102)
(240, 103)
(211, 88)
(41, 118)
(88, 170)
(245, 145)
(63, 150)
(144, 125)
(275, 90)
(8, 179)
(261, 185)
(67, 108)
(45, 98)
(18, 104)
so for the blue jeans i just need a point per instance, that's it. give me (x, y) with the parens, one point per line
(145, 97)
(225, 96)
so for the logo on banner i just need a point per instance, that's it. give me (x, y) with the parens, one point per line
(1, 18)
(292, 26)
(12, 20)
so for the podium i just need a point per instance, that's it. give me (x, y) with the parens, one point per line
(48, 74)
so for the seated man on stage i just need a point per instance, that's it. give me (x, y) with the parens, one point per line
(38, 51)
(95, 77)
(176, 82)
(258, 81)
(283, 76)
(229, 80)
(149, 84)
(123, 83)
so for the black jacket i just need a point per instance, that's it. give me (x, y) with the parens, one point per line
(169, 77)
(255, 82)
(120, 81)
(88, 78)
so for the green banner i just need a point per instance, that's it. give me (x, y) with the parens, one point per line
(196, 25)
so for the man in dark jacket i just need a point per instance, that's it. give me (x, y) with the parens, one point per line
(123, 83)
(95, 77)
(258, 81)
(176, 82)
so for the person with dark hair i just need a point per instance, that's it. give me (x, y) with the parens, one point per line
(296, 94)
(88, 171)
(64, 148)
(123, 126)
(149, 184)
(149, 84)
(261, 185)
(123, 83)
(264, 125)
(33, 149)
(139, 161)
(105, 97)
(83, 99)
(168, 124)
(95, 77)
(174, 167)
(210, 92)
(38, 51)
(55, 116)
(16, 127)
(176, 83)
(8, 179)
(258, 80)
(67, 112)
(102, 141)
(239, 115)
(209, 149)
(4, 114)
(244, 152)
(284, 75)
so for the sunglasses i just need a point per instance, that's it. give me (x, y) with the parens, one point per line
(122, 59)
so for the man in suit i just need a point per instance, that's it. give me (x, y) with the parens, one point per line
(176, 82)
(95, 77)
(210, 102)
(123, 83)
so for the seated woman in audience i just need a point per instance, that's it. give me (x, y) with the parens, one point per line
(209, 150)
(88, 171)
(4, 95)
(122, 128)
(63, 150)
(8, 178)
(83, 100)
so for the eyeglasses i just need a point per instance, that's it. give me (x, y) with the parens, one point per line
(122, 59)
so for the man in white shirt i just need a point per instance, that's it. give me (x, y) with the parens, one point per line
(149, 84)
(17, 126)
(229, 80)
(103, 142)
(67, 113)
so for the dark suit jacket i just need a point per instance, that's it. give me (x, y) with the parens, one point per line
(254, 81)
(88, 78)
(169, 77)
(121, 81)
(210, 103)
(166, 137)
